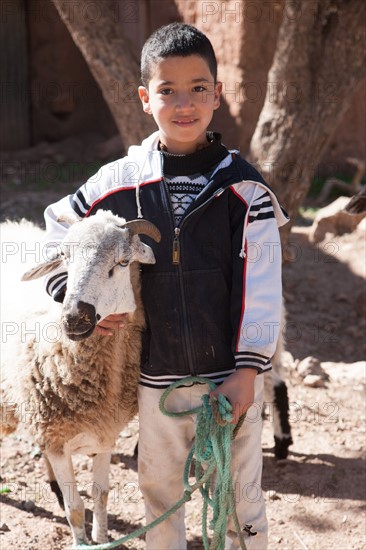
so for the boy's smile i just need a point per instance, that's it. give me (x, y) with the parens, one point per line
(182, 97)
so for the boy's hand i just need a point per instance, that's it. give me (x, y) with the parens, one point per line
(111, 323)
(239, 390)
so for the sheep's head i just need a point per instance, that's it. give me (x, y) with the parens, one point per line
(97, 254)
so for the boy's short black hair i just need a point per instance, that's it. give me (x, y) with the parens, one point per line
(176, 39)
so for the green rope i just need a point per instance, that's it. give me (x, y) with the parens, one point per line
(211, 456)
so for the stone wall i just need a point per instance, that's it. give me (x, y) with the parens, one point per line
(65, 98)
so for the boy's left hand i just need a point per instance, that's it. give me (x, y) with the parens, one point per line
(239, 390)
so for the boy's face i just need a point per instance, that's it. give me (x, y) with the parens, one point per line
(181, 97)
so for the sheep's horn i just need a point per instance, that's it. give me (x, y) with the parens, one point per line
(143, 227)
(68, 219)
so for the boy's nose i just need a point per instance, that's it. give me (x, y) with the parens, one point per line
(184, 102)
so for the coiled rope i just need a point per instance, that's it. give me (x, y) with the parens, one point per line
(211, 457)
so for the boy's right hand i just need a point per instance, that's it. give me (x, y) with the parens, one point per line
(238, 388)
(112, 323)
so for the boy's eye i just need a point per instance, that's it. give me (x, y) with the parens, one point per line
(166, 91)
(199, 89)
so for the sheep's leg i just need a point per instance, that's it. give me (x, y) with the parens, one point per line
(62, 467)
(275, 391)
(101, 465)
(53, 483)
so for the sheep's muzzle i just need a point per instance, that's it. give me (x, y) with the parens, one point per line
(79, 321)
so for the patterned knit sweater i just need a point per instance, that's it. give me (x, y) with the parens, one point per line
(187, 175)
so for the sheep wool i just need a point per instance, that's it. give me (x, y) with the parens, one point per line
(73, 393)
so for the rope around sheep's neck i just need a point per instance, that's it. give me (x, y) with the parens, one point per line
(211, 454)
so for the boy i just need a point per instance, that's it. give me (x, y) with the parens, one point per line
(213, 298)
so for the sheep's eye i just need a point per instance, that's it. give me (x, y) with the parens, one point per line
(64, 256)
(122, 263)
(65, 253)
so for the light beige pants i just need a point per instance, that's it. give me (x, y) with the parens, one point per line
(164, 444)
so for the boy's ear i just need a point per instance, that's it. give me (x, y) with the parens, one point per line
(217, 94)
(145, 100)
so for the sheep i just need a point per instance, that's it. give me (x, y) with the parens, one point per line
(76, 389)
(276, 399)
(275, 390)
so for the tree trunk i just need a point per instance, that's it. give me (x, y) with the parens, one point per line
(111, 60)
(318, 65)
(261, 23)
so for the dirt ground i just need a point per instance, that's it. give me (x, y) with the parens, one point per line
(316, 497)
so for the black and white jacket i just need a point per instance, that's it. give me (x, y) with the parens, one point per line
(213, 298)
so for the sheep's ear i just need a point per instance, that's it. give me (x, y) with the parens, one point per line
(141, 252)
(42, 269)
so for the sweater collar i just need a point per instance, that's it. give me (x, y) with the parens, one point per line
(200, 161)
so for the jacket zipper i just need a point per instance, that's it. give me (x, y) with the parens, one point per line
(176, 259)
(176, 246)
(177, 230)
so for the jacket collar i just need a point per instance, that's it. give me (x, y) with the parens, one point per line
(199, 162)
(149, 163)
